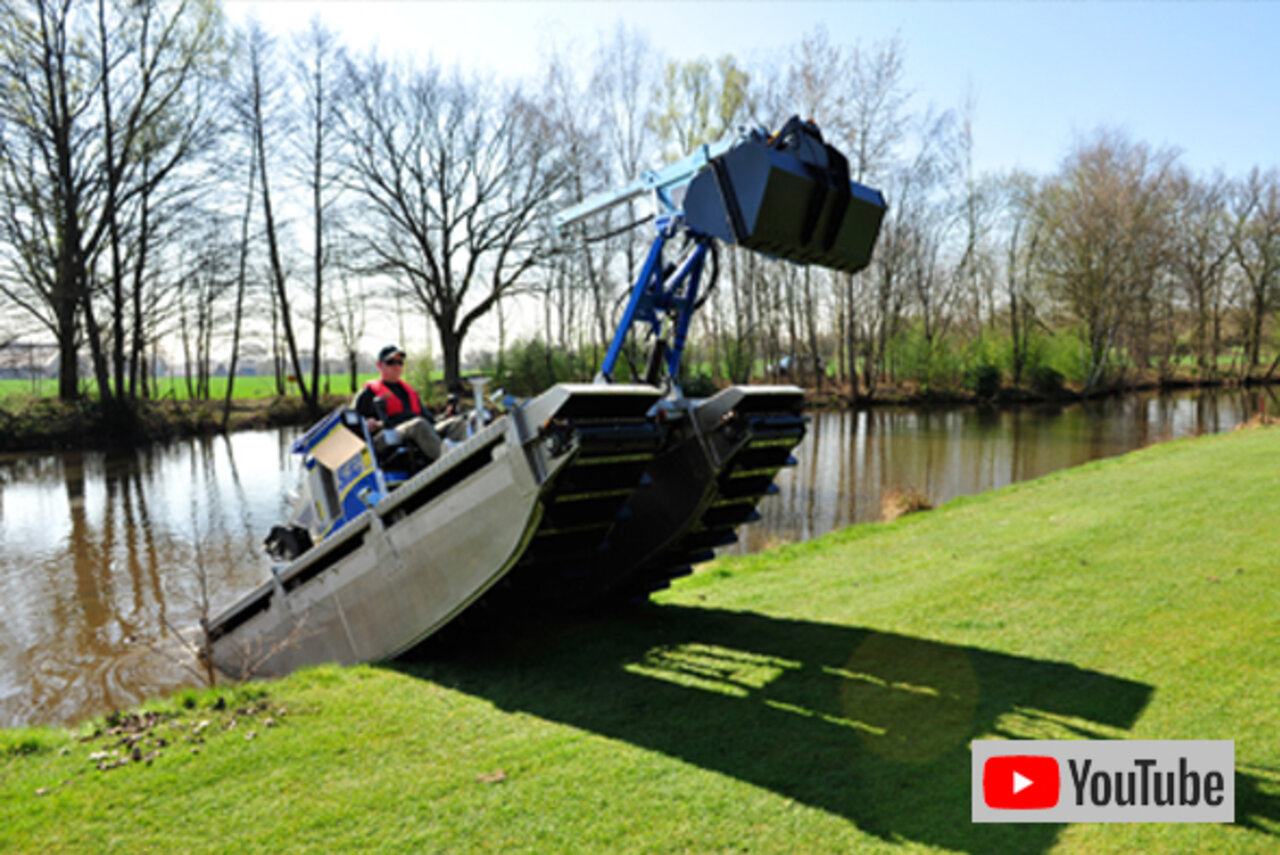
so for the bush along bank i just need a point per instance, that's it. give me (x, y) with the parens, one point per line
(1048, 387)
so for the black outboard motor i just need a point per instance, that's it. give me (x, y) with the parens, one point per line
(287, 542)
(789, 196)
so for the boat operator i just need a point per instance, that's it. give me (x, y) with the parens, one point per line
(403, 407)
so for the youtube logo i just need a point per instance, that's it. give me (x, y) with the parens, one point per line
(1102, 780)
(1020, 782)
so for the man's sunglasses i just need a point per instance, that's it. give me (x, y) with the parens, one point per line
(394, 362)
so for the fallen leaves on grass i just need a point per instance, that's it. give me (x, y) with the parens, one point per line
(136, 740)
(492, 777)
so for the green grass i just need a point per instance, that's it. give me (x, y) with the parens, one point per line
(176, 387)
(816, 698)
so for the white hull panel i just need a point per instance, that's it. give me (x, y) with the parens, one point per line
(401, 571)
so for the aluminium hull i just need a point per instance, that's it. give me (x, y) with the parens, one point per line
(431, 551)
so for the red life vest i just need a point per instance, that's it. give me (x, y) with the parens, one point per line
(394, 405)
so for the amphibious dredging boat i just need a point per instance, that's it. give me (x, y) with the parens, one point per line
(585, 494)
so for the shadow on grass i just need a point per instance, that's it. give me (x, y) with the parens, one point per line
(870, 726)
(1258, 798)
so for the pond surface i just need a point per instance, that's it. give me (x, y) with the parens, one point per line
(102, 553)
(850, 459)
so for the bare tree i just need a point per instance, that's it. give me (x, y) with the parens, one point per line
(1100, 219)
(205, 277)
(242, 268)
(1256, 243)
(815, 84)
(153, 58)
(978, 202)
(576, 133)
(262, 90)
(877, 124)
(1019, 193)
(46, 134)
(452, 182)
(911, 235)
(1201, 255)
(318, 71)
(349, 307)
(625, 73)
(99, 105)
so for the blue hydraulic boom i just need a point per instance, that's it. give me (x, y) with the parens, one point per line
(787, 195)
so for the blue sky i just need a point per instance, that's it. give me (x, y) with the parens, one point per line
(1202, 77)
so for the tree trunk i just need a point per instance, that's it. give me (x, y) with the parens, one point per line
(839, 331)
(546, 328)
(99, 359)
(277, 367)
(451, 347)
(850, 340)
(499, 369)
(241, 277)
(113, 180)
(1255, 328)
(318, 250)
(1216, 347)
(273, 252)
(811, 324)
(1018, 355)
(68, 363)
(137, 355)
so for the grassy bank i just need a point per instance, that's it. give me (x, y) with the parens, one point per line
(44, 424)
(175, 388)
(245, 388)
(816, 698)
(39, 422)
(33, 419)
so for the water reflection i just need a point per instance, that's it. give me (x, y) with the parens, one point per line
(101, 550)
(849, 459)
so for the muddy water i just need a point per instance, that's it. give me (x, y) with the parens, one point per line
(101, 554)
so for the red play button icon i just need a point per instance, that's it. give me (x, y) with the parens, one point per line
(1020, 782)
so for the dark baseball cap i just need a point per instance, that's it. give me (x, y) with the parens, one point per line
(389, 351)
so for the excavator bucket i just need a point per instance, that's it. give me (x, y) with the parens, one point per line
(788, 196)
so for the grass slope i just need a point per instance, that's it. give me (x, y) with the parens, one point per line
(816, 698)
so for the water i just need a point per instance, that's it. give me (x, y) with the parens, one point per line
(99, 565)
(102, 553)
(849, 459)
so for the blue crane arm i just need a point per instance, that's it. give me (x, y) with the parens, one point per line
(787, 195)
(660, 182)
